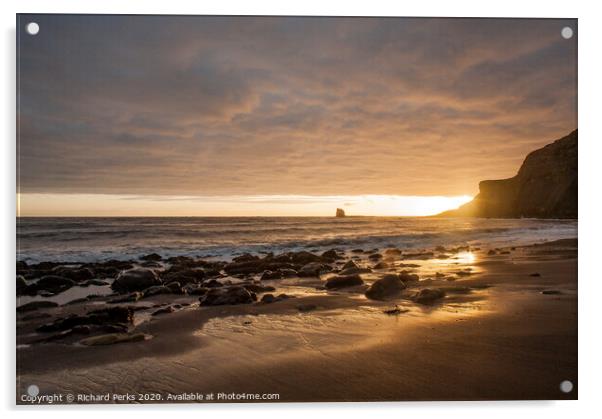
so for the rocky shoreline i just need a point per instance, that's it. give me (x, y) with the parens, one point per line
(160, 317)
(153, 286)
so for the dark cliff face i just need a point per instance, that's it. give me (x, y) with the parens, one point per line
(544, 187)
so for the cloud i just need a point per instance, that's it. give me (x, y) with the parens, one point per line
(272, 106)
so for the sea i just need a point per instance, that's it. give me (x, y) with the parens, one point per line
(89, 239)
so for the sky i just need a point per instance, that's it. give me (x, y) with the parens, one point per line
(208, 115)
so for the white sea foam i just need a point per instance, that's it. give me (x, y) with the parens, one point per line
(92, 239)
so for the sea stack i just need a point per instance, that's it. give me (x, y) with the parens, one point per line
(340, 213)
(544, 187)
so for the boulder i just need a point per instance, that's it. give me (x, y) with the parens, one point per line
(195, 289)
(74, 274)
(156, 290)
(388, 286)
(353, 271)
(428, 295)
(212, 283)
(52, 283)
(104, 316)
(175, 287)
(21, 285)
(342, 281)
(268, 275)
(408, 277)
(331, 255)
(136, 279)
(312, 269)
(381, 265)
(245, 267)
(287, 273)
(268, 298)
(151, 257)
(303, 258)
(35, 305)
(227, 296)
(350, 265)
(246, 257)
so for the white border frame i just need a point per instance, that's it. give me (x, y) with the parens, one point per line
(590, 281)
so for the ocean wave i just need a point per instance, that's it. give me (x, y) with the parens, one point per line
(128, 239)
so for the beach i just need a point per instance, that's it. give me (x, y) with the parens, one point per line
(502, 325)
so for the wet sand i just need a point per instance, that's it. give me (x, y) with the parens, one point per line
(494, 336)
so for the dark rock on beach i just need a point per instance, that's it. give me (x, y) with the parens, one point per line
(354, 271)
(227, 296)
(408, 277)
(136, 279)
(303, 258)
(109, 268)
(152, 257)
(195, 289)
(350, 265)
(21, 266)
(35, 305)
(428, 295)
(381, 265)
(386, 287)
(331, 255)
(254, 266)
(270, 298)
(269, 275)
(51, 283)
(123, 315)
(313, 269)
(21, 285)
(343, 281)
(183, 275)
(74, 274)
(156, 290)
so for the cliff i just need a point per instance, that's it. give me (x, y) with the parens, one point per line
(544, 187)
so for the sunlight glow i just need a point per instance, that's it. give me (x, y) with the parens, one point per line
(250, 205)
(466, 258)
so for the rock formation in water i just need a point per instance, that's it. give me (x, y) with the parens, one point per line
(340, 213)
(544, 187)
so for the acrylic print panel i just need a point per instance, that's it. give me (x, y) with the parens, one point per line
(295, 209)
